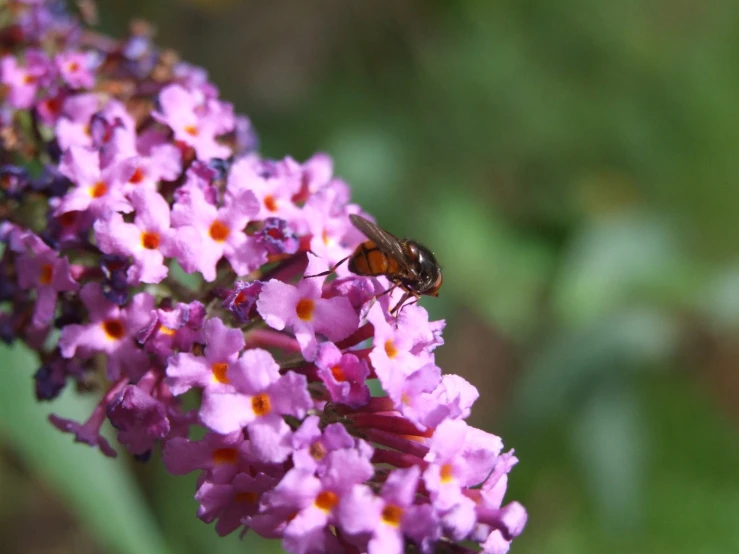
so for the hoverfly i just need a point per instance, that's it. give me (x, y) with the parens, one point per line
(408, 265)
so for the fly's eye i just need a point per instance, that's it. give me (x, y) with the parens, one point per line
(413, 251)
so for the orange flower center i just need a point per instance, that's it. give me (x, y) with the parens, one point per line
(338, 373)
(137, 176)
(225, 456)
(73, 67)
(447, 473)
(390, 349)
(114, 329)
(191, 130)
(305, 308)
(219, 231)
(392, 514)
(326, 501)
(98, 189)
(261, 404)
(150, 240)
(47, 272)
(219, 370)
(167, 331)
(270, 203)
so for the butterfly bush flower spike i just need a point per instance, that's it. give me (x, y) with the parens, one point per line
(148, 246)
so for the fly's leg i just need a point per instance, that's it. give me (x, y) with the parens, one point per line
(329, 271)
(396, 310)
(416, 299)
(386, 291)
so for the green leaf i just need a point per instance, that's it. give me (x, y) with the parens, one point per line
(100, 491)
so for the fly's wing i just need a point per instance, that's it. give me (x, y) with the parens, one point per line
(389, 244)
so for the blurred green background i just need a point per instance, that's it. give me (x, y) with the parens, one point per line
(574, 166)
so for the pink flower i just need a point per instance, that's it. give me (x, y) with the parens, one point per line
(497, 525)
(413, 396)
(195, 121)
(257, 397)
(214, 233)
(97, 189)
(75, 69)
(311, 445)
(24, 80)
(459, 456)
(303, 310)
(73, 127)
(158, 160)
(274, 186)
(147, 240)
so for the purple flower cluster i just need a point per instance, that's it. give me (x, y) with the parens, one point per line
(121, 172)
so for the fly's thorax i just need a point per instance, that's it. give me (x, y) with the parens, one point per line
(427, 271)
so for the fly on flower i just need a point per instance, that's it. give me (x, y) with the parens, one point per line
(407, 264)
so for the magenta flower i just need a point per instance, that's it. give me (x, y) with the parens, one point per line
(221, 456)
(242, 300)
(324, 421)
(42, 269)
(344, 375)
(302, 309)
(230, 503)
(209, 371)
(382, 522)
(311, 446)
(314, 502)
(110, 330)
(173, 329)
(88, 432)
(143, 420)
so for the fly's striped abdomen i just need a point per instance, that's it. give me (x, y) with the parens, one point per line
(370, 260)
